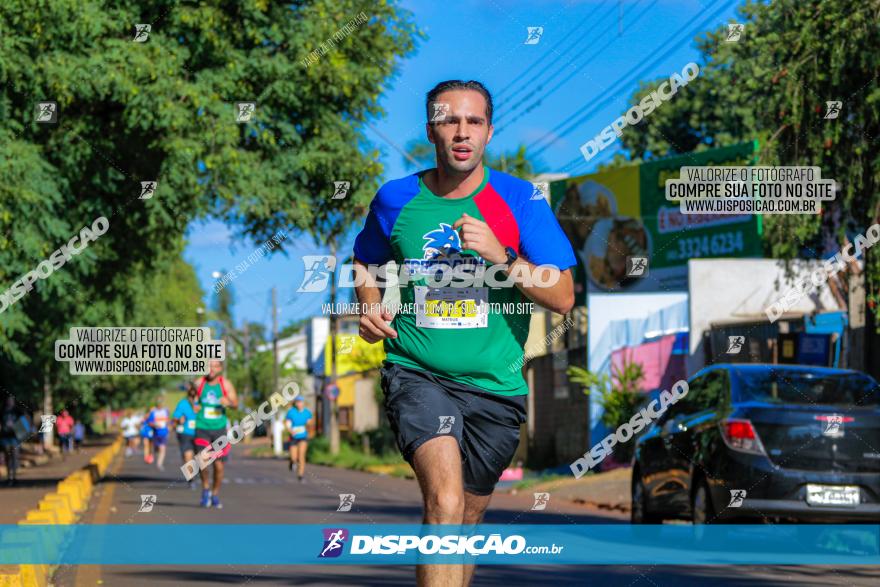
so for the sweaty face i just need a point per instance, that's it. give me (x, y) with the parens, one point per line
(461, 136)
(216, 369)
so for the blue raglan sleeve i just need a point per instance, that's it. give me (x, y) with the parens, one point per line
(373, 244)
(542, 240)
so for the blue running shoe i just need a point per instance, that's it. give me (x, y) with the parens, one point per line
(215, 502)
(206, 498)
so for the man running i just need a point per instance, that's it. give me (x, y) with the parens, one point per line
(454, 391)
(184, 417)
(215, 394)
(158, 421)
(298, 421)
(146, 437)
(129, 425)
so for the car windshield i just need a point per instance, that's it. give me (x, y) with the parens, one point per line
(785, 386)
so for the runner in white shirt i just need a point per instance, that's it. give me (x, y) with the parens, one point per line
(130, 425)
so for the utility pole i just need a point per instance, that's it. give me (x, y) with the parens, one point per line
(276, 424)
(334, 326)
(247, 362)
(274, 340)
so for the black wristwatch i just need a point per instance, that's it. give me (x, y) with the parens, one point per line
(511, 255)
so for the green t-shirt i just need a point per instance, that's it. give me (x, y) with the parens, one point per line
(212, 415)
(473, 335)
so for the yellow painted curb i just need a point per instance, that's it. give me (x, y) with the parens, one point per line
(60, 507)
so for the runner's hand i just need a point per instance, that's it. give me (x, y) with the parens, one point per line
(477, 236)
(373, 327)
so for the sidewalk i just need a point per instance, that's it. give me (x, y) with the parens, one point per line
(35, 482)
(607, 491)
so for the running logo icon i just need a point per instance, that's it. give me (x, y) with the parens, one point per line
(534, 35)
(346, 500)
(147, 503)
(244, 111)
(737, 497)
(446, 423)
(636, 266)
(441, 242)
(734, 32)
(47, 421)
(735, 344)
(832, 109)
(47, 112)
(441, 109)
(334, 541)
(346, 345)
(833, 427)
(340, 189)
(541, 501)
(319, 268)
(142, 33)
(540, 191)
(148, 188)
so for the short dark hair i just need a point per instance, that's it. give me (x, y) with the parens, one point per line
(457, 84)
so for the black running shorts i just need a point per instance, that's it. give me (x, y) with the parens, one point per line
(422, 406)
(187, 443)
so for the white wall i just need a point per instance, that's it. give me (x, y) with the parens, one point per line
(729, 290)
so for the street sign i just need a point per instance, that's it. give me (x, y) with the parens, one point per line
(331, 390)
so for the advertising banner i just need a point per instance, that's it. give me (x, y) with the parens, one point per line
(616, 217)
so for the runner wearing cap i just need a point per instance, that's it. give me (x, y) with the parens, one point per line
(454, 390)
(298, 421)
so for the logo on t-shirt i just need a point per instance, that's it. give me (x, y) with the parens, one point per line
(441, 242)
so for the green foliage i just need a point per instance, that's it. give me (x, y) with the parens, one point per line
(164, 110)
(515, 163)
(350, 456)
(772, 85)
(619, 396)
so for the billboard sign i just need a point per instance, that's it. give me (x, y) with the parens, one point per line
(629, 238)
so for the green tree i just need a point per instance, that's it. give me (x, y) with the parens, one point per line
(773, 85)
(515, 163)
(619, 395)
(164, 110)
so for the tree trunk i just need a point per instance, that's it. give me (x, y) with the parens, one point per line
(334, 326)
(48, 409)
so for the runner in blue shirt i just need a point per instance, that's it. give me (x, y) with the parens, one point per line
(297, 421)
(185, 418)
(158, 421)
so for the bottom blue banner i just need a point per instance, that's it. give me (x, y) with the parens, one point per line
(408, 544)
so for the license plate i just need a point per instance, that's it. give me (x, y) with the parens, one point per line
(835, 495)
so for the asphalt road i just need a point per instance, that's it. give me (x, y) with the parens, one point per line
(264, 491)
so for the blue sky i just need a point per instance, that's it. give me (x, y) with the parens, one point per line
(603, 58)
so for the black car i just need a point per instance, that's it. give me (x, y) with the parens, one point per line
(754, 442)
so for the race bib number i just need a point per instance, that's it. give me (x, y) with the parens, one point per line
(212, 412)
(297, 430)
(191, 424)
(179, 429)
(451, 307)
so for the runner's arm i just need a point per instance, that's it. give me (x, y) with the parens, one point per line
(558, 297)
(478, 236)
(230, 400)
(374, 318)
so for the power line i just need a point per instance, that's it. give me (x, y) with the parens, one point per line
(394, 145)
(576, 71)
(539, 60)
(620, 82)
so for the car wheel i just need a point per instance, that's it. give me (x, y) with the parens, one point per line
(702, 511)
(639, 513)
